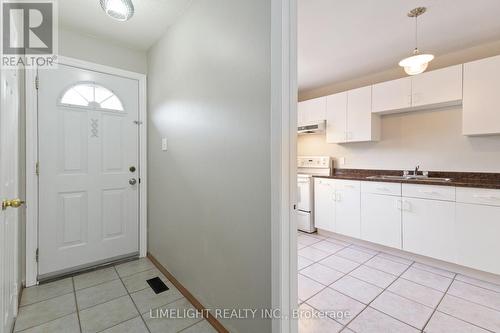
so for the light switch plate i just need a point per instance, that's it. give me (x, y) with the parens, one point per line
(164, 144)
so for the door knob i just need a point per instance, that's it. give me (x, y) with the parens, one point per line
(132, 181)
(15, 203)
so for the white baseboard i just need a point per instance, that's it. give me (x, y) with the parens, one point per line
(477, 274)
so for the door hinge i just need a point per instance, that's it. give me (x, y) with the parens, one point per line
(36, 255)
(37, 168)
(37, 82)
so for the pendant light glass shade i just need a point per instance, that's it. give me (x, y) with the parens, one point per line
(120, 10)
(416, 64)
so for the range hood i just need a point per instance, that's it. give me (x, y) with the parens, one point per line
(312, 128)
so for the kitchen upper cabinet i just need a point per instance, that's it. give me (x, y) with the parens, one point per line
(439, 87)
(324, 204)
(311, 110)
(381, 213)
(349, 117)
(429, 228)
(392, 95)
(362, 125)
(477, 228)
(481, 103)
(347, 208)
(336, 118)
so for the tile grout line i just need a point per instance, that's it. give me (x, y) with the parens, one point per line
(439, 303)
(412, 262)
(130, 296)
(76, 305)
(92, 286)
(448, 314)
(385, 289)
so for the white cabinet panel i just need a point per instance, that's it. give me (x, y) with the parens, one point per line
(442, 86)
(392, 95)
(348, 209)
(481, 196)
(324, 204)
(362, 125)
(481, 103)
(429, 228)
(478, 227)
(381, 219)
(385, 188)
(446, 193)
(336, 118)
(311, 110)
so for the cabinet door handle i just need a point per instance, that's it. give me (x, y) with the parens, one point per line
(338, 197)
(407, 206)
(399, 205)
(481, 196)
(429, 192)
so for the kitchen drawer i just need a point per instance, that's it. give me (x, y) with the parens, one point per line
(446, 193)
(341, 184)
(325, 181)
(478, 196)
(381, 188)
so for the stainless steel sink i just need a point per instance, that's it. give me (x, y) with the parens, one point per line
(410, 177)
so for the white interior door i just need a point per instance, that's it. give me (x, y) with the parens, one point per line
(9, 190)
(88, 164)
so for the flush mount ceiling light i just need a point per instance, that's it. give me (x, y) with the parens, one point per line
(417, 63)
(120, 10)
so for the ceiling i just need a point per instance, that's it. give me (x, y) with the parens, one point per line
(339, 40)
(151, 19)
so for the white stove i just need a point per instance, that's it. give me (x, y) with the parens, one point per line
(307, 167)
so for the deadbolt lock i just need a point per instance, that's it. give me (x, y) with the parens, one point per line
(132, 168)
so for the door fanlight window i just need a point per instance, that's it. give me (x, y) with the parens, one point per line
(91, 95)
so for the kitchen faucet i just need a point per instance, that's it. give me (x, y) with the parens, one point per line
(416, 170)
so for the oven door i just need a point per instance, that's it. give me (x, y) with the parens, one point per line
(304, 191)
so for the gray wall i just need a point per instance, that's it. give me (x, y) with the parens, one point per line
(89, 48)
(209, 194)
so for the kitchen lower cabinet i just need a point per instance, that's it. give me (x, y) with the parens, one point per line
(347, 208)
(429, 228)
(381, 219)
(478, 230)
(324, 204)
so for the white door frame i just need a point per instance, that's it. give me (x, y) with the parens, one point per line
(284, 91)
(32, 159)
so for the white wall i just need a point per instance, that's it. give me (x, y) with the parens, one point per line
(89, 48)
(431, 139)
(209, 194)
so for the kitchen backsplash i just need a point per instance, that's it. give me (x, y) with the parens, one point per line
(432, 139)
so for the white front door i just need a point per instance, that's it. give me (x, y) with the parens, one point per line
(88, 169)
(9, 190)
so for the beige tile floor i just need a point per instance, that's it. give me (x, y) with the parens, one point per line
(116, 299)
(384, 293)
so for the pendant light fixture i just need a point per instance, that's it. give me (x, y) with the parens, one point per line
(120, 10)
(417, 63)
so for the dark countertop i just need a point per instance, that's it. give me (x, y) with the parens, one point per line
(458, 179)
